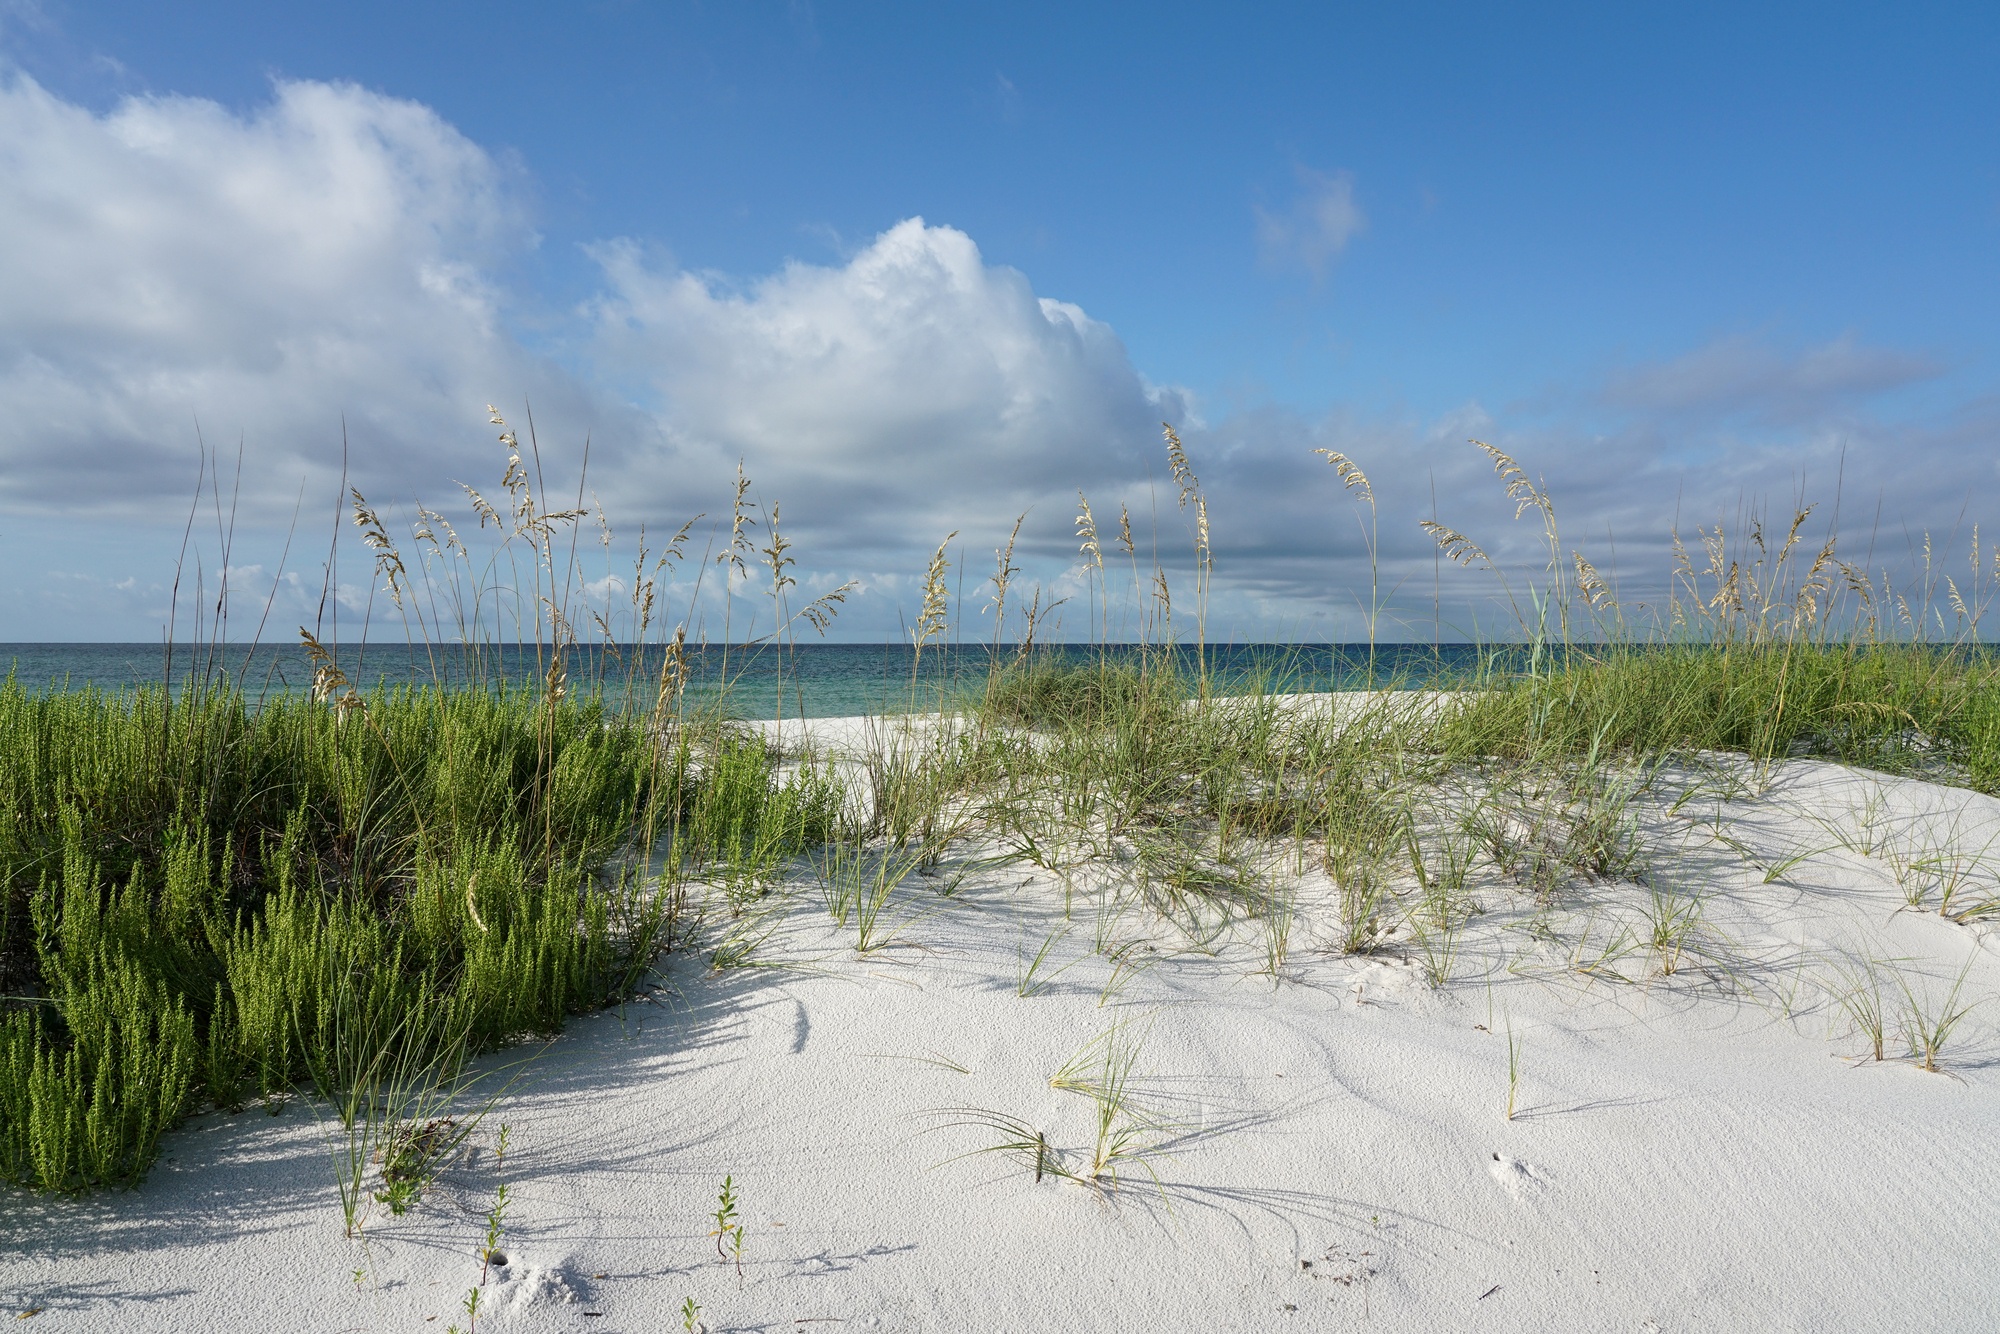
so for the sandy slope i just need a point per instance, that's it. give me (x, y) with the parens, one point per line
(1693, 1152)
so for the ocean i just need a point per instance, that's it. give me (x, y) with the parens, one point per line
(814, 680)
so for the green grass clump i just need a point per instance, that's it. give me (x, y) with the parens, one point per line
(1897, 707)
(1040, 689)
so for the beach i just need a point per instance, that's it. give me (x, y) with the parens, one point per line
(1034, 1105)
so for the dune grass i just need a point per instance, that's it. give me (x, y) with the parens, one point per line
(1134, 784)
(1536, 784)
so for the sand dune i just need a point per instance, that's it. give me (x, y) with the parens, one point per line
(1319, 1144)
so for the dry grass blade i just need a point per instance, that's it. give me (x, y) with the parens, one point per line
(1033, 981)
(1015, 1139)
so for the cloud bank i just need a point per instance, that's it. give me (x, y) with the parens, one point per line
(1738, 375)
(337, 255)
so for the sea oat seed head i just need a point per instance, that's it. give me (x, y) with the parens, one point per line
(1086, 529)
(1595, 595)
(931, 618)
(1350, 474)
(1177, 459)
(1457, 547)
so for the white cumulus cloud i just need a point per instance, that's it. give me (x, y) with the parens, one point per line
(327, 254)
(335, 255)
(913, 390)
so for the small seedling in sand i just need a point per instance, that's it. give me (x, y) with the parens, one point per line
(1600, 961)
(1122, 1137)
(857, 882)
(1953, 873)
(1110, 912)
(1906, 869)
(403, 1100)
(1862, 831)
(1979, 910)
(1079, 1074)
(1439, 945)
(1364, 892)
(1929, 859)
(489, 1250)
(745, 937)
(727, 1229)
(1280, 912)
(689, 1310)
(1439, 918)
(1782, 867)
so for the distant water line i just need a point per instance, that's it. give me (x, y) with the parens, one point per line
(817, 680)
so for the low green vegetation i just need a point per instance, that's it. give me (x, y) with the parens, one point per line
(202, 903)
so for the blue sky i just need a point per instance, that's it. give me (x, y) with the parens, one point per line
(1670, 256)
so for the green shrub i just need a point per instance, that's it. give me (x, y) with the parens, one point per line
(196, 895)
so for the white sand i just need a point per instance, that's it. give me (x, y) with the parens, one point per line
(1695, 1152)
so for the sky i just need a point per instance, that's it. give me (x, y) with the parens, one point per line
(923, 268)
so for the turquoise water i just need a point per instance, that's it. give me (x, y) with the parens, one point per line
(817, 680)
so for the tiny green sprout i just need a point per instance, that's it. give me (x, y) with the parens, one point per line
(359, 1274)
(495, 1224)
(500, 1149)
(471, 1307)
(689, 1310)
(489, 1249)
(727, 1228)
